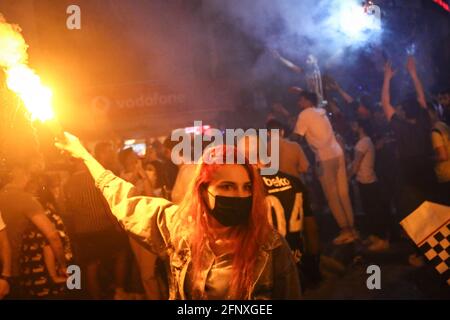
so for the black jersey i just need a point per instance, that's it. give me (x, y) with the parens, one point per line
(288, 202)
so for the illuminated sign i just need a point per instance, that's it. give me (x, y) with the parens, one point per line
(443, 4)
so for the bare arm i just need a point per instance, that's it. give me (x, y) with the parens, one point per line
(286, 62)
(411, 67)
(385, 93)
(50, 263)
(347, 98)
(291, 65)
(47, 228)
(332, 84)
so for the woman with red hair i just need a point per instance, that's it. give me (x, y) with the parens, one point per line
(218, 242)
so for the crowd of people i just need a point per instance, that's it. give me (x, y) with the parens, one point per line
(145, 228)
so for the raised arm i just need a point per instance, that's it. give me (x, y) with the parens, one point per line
(385, 93)
(286, 62)
(50, 263)
(143, 217)
(75, 148)
(48, 229)
(411, 67)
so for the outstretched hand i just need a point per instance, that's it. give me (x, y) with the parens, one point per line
(389, 73)
(72, 145)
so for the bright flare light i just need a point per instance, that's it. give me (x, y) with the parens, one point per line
(356, 23)
(27, 85)
(21, 79)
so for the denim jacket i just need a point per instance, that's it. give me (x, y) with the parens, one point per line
(152, 221)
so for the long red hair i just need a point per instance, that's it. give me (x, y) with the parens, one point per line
(249, 238)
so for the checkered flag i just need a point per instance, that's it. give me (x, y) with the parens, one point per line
(429, 227)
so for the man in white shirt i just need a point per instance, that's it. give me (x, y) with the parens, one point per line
(373, 202)
(314, 125)
(365, 160)
(5, 258)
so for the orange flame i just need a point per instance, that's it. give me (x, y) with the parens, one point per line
(20, 78)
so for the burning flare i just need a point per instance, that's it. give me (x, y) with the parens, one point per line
(20, 78)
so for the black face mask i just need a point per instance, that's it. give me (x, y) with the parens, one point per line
(232, 211)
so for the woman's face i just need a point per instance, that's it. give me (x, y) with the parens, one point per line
(230, 180)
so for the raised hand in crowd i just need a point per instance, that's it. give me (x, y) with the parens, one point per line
(286, 62)
(412, 70)
(389, 73)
